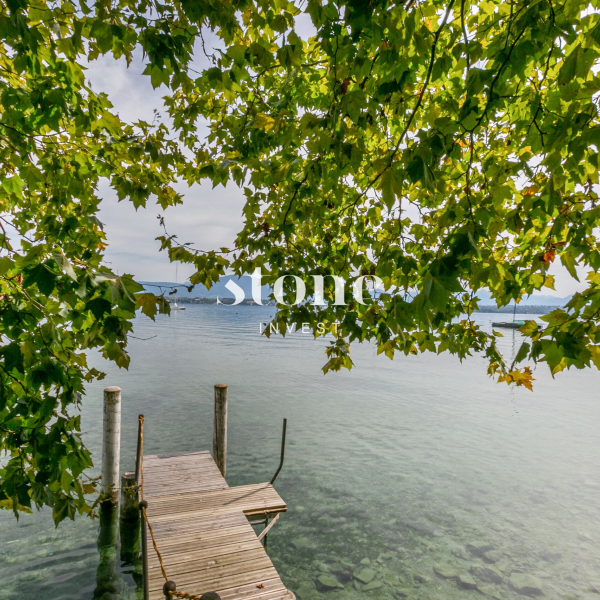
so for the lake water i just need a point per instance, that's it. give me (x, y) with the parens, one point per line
(416, 478)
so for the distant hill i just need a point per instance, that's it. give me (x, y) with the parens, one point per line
(543, 300)
(218, 289)
(245, 282)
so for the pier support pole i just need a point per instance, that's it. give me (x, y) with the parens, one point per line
(220, 428)
(107, 573)
(130, 509)
(111, 444)
(145, 580)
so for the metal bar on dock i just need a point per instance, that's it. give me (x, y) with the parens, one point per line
(282, 452)
(145, 578)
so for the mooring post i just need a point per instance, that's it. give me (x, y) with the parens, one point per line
(111, 443)
(220, 428)
(138, 453)
(130, 548)
(130, 509)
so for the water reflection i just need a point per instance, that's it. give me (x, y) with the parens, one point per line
(117, 539)
(108, 580)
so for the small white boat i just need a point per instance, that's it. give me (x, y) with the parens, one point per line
(175, 307)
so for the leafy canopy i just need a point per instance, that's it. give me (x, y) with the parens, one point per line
(443, 146)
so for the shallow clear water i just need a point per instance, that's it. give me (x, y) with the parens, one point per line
(421, 477)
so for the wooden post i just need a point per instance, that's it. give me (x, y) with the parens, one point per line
(220, 428)
(111, 443)
(138, 453)
(130, 509)
(130, 534)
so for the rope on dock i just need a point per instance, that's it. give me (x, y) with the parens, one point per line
(168, 582)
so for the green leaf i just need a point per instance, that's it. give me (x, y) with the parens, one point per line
(568, 260)
(99, 307)
(147, 303)
(416, 169)
(568, 70)
(391, 185)
(63, 263)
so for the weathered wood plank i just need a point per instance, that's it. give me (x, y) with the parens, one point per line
(230, 576)
(199, 525)
(236, 562)
(269, 586)
(206, 553)
(256, 498)
(202, 530)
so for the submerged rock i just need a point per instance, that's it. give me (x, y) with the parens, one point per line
(301, 543)
(525, 584)
(492, 556)
(420, 578)
(305, 591)
(385, 556)
(445, 571)
(550, 555)
(479, 548)
(329, 582)
(461, 553)
(374, 585)
(490, 591)
(365, 561)
(503, 566)
(466, 582)
(487, 574)
(365, 575)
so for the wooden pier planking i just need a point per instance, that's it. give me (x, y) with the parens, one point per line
(202, 530)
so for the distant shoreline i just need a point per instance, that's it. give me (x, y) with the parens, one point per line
(191, 300)
(522, 309)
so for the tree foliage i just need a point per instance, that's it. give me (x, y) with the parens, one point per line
(443, 146)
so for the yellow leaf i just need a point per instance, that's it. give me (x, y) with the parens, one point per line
(519, 378)
(264, 122)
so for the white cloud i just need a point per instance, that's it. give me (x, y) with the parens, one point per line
(209, 218)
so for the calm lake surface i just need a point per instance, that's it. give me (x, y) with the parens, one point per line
(419, 478)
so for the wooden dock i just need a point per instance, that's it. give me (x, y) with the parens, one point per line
(202, 530)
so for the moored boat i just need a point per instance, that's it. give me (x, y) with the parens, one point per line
(509, 324)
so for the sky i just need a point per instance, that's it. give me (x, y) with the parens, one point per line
(208, 218)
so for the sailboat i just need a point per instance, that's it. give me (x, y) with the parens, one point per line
(175, 307)
(514, 324)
